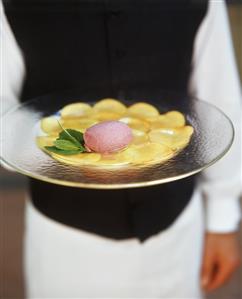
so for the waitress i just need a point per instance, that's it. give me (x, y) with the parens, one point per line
(145, 242)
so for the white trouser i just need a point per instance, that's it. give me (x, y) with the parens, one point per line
(64, 262)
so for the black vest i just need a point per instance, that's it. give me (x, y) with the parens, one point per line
(108, 46)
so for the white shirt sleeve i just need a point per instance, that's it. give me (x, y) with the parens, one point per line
(215, 79)
(12, 65)
(12, 69)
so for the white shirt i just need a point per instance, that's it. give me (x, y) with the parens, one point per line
(214, 78)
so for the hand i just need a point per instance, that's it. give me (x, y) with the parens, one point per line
(221, 258)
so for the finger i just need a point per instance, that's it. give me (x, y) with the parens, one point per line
(207, 270)
(223, 272)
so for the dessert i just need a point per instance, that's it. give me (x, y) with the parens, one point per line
(110, 134)
(107, 137)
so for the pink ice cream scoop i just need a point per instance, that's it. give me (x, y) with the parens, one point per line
(108, 137)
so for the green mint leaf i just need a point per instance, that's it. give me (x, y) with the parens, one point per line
(56, 150)
(65, 145)
(75, 134)
(67, 136)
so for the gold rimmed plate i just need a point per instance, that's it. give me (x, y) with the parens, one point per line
(212, 138)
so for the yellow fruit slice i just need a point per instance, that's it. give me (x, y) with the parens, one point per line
(176, 138)
(43, 141)
(105, 115)
(139, 137)
(111, 105)
(80, 124)
(50, 125)
(114, 160)
(151, 152)
(143, 110)
(172, 119)
(136, 123)
(76, 110)
(79, 159)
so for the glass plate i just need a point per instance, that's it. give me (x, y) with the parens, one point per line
(212, 138)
